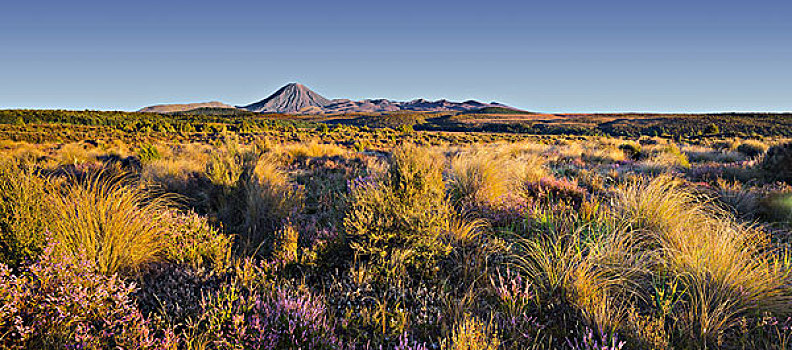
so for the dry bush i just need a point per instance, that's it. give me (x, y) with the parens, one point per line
(701, 154)
(478, 176)
(663, 158)
(603, 152)
(593, 265)
(75, 154)
(173, 174)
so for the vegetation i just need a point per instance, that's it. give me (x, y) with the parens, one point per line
(257, 232)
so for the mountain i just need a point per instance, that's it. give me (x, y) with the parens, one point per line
(292, 98)
(297, 98)
(170, 108)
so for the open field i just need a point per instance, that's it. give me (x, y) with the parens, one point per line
(395, 231)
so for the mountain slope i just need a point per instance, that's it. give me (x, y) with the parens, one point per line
(170, 108)
(292, 98)
(297, 98)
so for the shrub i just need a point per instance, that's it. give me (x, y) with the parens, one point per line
(148, 153)
(398, 220)
(631, 150)
(23, 214)
(549, 190)
(285, 245)
(110, 223)
(777, 163)
(274, 318)
(191, 241)
(60, 303)
(174, 292)
(752, 148)
(596, 341)
(472, 334)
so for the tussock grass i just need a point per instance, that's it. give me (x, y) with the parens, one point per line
(269, 199)
(109, 223)
(311, 149)
(728, 269)
(486, 175)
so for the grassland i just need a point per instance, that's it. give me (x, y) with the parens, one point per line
(399, 231)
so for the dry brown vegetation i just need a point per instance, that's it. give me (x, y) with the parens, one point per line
(355, 239)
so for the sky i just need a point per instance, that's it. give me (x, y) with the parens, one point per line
(549, 56)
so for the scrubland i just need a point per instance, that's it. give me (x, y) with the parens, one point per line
(419, 241)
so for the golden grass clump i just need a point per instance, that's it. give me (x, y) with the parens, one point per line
(269, 199)
(728, 269)
(486, 175)
(478, 176)
(111, 225)
(312, 149)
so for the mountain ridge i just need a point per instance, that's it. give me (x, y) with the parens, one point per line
(295, 98)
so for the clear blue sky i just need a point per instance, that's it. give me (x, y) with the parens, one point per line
(556, 56)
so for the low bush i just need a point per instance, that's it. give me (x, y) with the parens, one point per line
(398, 220)
(777, 163)
(23, 214)
(191, 241)
(61, 303)
(631, 150)
(478, 177)
(752, 148)
(272, 318)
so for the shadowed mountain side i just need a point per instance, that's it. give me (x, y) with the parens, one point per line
(170, 108)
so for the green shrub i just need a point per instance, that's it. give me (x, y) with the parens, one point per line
(631, 150)
(777, 163)
(23, 214)
(191, 241)
(148, 153)
(398, 220)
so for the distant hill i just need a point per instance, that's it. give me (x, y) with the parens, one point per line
(170, 108)
(215, 111)
(296, 98)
